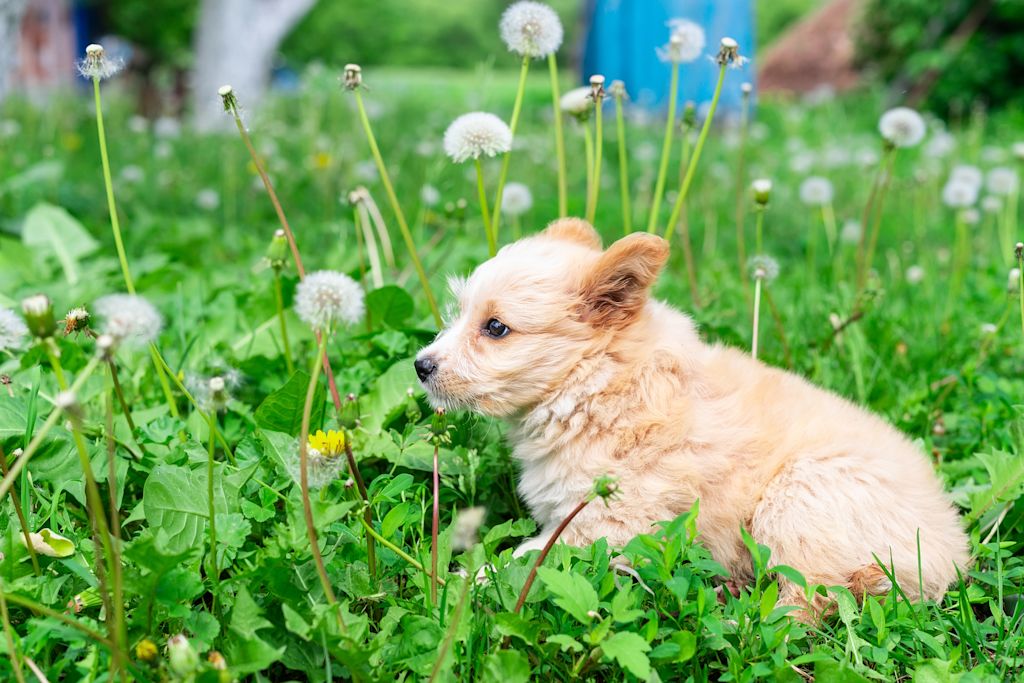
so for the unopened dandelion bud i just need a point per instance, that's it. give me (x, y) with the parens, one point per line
(146, 651)
(1018, 251)
(606, 487)
(689, 117)
(439, 426)
(358, 196)
(762, 189)
(353, 76)
(76, 320)
(227, 97)
(217, 661)
(90, 597)
(617, 89)
(277, 252)
(597, 88)
(38, 312)
(181, 656)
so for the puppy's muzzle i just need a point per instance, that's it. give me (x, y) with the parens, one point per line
(425, 367)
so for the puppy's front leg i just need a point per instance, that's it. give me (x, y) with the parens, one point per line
(536, 543)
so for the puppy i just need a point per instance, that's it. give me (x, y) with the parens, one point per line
(561, 339)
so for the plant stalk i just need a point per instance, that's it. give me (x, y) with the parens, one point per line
(563, 184)
(666, 149)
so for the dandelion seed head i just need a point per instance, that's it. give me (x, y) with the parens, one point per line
(531, 29)
(13, 330)
(1013, 280)
(851, 231)
(967, 173)
(430, 195)
(97, 65)
(517, 199)
(988, 329)
(763, 266)
(477, 134)
(327, 297)
(816, 191)
(128, 319)
(959, 194)
(915, 274)
(208, 199)
(577, 102)
(685, 44)
(991, 204)
(902, 127)
(467, 524)
(1002, 181)
(729, 55)
(971, 216)
(1017, 149)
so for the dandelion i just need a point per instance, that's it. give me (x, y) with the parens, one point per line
(181, 656)
(38, 312)
(971, 216)
(97, 65)
(914, 275)
(762, 189)
(988, 329)
(940, 145)
(477, 134)
(816, 191)
(430, 195)
(1002, 181)
(325, 459)
(765, 265)
(13, 330)
(208, 199)
(577, 102)
(1011, 280)
(686, 42)
(991, 204)
(1017, 149)
(467, 523)
(851, 232)
(966, 173)
(132, 174)
(959, 194)
(76, 320)
(327, 297)
(517, 200)
(213, 394)
(128, 318)
(531, 29)
(729, 55)
(902, 127)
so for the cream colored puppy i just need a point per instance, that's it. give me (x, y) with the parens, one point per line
(560, 338)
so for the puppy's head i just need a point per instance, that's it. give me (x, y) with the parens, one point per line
(525, 318)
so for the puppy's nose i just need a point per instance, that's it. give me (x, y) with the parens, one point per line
(425, 367)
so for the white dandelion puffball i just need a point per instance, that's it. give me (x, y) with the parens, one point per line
(430, 195)
(97, 64)
(326, 297)
(850, 232)
(476, 134)
(531, 29)
(467, 524)
(971, 216)
(966, 173)
(1002, 180)
(1017, 149)
(902, 126)
(685, 44)
(208, 199)
(1013, 280)
(915, 274)
(990, 204)
(12, 330)
(959, 194)
(576, 101)
(763, 266)
(517, 199)
(816, 191)
(128, 318)
(988, 329)
(941, 144)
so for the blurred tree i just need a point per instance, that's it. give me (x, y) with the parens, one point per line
(11, 12)
(773, 17)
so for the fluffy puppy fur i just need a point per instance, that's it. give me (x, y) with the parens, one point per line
(596, 378)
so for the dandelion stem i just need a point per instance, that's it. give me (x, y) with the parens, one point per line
(866, 248)
(434, 524)
(371, 550)
(453, 627)
(119, 392)
(16, 502)
(158, 363)
(595, 188)
(588, 148)
(1020, 284)
(416, 564)
(12, 648)
(492, 244)
(563, 185)
(757, 314)
(403, 226)
(666, 149)
(513, 122)
(115, 223)
(691, 168)
(279, 302)
(214, 571)
(115, 527)
(741, 187)
(620, 129)
(307, 508)
(759, 228)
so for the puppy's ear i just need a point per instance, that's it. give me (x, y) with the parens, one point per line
(573, 230)
(615, 290)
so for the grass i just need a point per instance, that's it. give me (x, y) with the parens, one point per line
(948, 383)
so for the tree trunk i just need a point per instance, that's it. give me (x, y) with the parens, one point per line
(235, 44)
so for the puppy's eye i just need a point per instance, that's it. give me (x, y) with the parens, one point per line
(496, 329)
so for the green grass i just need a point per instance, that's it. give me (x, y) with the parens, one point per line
(954, 388)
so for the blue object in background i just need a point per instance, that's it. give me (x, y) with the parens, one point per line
(624, 35)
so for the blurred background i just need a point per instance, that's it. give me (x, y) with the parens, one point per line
(943, 55)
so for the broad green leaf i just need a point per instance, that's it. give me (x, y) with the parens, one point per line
(52, 231)
(511, 624)
(247, 651)
(624, 607)
(506, 666)
(1006, 482)
(390, 305)
(175, 504)
(768, 599)
(687, 643)
(572, 592)
(393, 519)
(281, 411)
(836, 672)
(565, 643)
(294, 622)
(629, 651)
(935, 671)
(50, 543)
(386, 398)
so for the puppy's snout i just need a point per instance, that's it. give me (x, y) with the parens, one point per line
(425, 367)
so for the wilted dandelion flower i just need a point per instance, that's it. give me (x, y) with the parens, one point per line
(1002, 181)
(327, 297)
(467, 523)
(477, 134)
(902, 127)
(685, 44)
(967, 174)
(12, 330)
(531, 29)
(959, 194)
(915, 274)
(76, 320)
(517, 199)
(128, 318)
(764, 267)
(97, 64)
(577, 102)
(816, 191)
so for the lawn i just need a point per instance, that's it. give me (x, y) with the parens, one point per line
(933, 341)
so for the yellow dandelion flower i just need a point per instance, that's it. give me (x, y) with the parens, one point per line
(329, 444)
(321, 160)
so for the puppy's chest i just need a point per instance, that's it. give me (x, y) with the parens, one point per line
(552, 482)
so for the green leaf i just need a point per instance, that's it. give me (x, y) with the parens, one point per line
(1006, 477)
(836, 672)
(629, 651)
(687, 643)
(935, 671)
(246, 651)
(294, 622)
(52, 231)
(390, 305)
(768, 599)
(623, 607)
(175, 505)
(565, 643)
(515, 625)
(572, 592)
(386, 399)
(506, 666)
(393, 519)
(281, 411)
